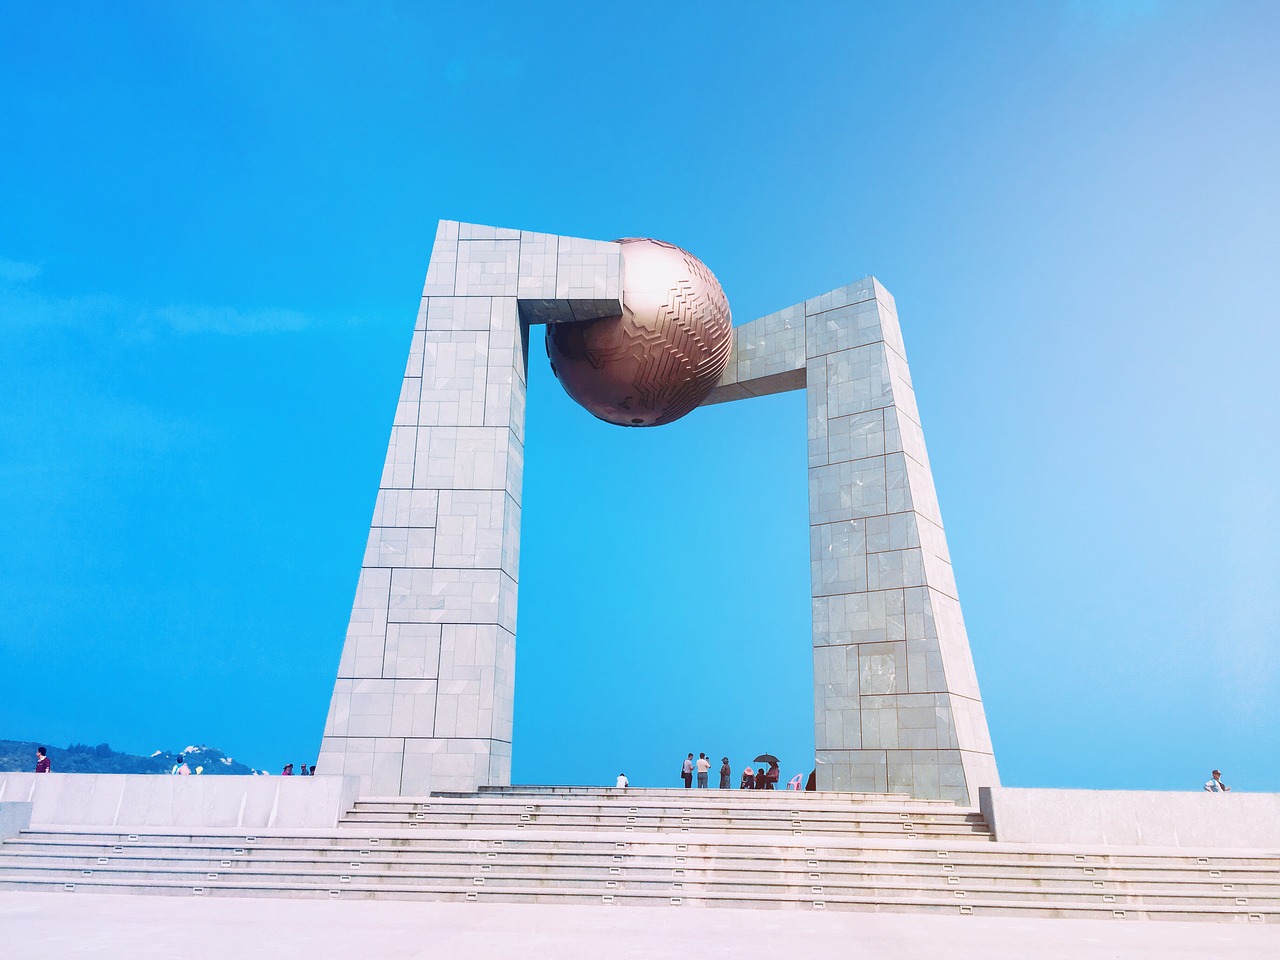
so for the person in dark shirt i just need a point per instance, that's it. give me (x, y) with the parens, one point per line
(771, 776)
(726, 772)
(42, 760)
(761, 779)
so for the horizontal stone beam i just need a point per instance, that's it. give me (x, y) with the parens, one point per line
(769, 353)
(567, 311)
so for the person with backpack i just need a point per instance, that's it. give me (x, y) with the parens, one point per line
(686, 771)
(1215, 784)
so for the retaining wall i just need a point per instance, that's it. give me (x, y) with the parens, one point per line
(1133, 817)
(101, 799)
(14, 817)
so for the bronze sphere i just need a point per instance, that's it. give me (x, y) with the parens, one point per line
(663, 355)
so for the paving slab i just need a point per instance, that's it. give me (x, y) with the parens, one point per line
(50, 926)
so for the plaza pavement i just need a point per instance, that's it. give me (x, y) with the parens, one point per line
(48, 926)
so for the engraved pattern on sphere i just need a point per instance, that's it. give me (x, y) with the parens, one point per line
(663, 356)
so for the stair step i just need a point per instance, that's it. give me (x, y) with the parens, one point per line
(983, 905)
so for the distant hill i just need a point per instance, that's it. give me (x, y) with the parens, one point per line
(20, 755)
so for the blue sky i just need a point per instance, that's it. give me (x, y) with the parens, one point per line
(214, 225)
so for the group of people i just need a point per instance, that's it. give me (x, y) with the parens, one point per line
(762, 779)
(752, 779)
(702, 766)
(181, 768)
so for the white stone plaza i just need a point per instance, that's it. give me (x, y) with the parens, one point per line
(38, 927)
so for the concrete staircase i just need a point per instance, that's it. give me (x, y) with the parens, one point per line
(779, 849)
(724, 813)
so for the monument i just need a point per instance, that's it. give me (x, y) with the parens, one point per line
(639, 333)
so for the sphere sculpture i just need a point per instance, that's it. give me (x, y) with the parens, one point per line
(663, 355)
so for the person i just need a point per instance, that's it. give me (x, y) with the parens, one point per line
(725, 773)
(760, 779)
(1216, 785)
(771, 776)
(812, 783)
(686, 771)
(180, 768)
(287, 771)
(42, 760)
(303, 767)
(748, 780)
(703, 766)
(622, 783)
(313, 771)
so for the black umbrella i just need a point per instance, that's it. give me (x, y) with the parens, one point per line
(765, 758)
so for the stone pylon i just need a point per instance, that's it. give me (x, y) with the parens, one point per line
(896, 702)
(423, 698)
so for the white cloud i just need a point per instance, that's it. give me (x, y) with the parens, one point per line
(23, 304)
(228, 320)
(15, 271)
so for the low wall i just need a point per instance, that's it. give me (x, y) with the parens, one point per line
(1132, 817)
(135, 800)
(14, 817)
